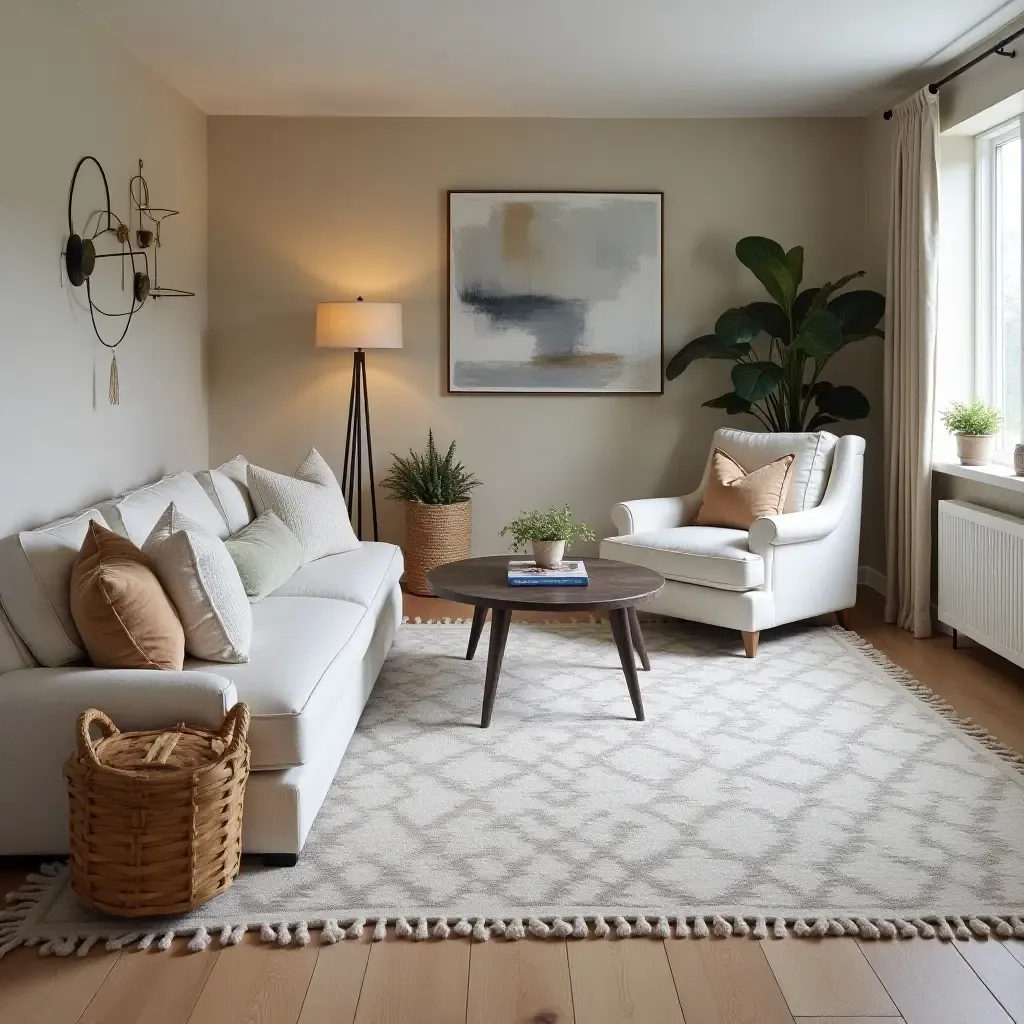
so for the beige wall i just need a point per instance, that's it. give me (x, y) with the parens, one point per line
(303, 210)
(69, 89)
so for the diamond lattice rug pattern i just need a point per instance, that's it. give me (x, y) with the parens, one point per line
(813, 790)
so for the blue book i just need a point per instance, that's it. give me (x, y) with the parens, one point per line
(529, 574)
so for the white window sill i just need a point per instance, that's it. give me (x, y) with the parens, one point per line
(993, 475)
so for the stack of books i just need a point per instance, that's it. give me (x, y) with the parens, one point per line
(529, 574)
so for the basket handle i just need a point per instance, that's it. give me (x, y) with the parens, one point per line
(235, 728)
(86, 750)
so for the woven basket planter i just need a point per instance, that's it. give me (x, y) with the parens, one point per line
(434, 535)
(155, 818)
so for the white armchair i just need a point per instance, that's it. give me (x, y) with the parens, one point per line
(787, 567)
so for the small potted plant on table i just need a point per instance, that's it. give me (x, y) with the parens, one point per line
(975, 425)
(438, 510)
(548, 533)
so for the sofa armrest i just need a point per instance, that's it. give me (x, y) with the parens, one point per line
(39, 709)
(133, 698)
(646, 514)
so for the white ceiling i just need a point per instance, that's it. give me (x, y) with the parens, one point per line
(560, 58)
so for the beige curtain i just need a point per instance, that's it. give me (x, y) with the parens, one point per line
(910, 334)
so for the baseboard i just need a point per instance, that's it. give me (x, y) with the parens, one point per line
(869, 577)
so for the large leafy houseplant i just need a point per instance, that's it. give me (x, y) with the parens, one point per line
(780, 348)
(430, 478)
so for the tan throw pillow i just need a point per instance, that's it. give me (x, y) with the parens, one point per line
(121, 611)
(735, 498)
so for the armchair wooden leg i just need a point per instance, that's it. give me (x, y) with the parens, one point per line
(750, 643)
(845, 618)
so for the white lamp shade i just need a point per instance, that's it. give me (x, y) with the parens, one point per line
(359, 324)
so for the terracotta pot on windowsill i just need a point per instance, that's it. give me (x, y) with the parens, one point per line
(975, 449)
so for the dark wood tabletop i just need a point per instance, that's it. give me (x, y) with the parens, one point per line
(483, 582)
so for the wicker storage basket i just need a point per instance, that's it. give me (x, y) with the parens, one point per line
(434, 535)
(156, 817)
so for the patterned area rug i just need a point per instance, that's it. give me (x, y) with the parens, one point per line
(814, 790)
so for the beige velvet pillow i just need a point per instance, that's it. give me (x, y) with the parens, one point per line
(735, 498)
(121, 611)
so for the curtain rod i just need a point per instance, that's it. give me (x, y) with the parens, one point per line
(999, 50)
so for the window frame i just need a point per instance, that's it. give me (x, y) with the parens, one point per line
(988, 354)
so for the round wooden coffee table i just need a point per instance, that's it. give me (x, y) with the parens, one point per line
(615, 587)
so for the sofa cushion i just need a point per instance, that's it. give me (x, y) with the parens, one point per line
(35, 587)
(266, 554)
(197, 572)
(123, 614)
(304, 653)
(812, 465)
(134, 514)
(310, 503)
(365, 576)
(227, 488)
(709, 556)
(734, 498)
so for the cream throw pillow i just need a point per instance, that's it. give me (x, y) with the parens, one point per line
(198, 574)
(310, 504)
(735, 498)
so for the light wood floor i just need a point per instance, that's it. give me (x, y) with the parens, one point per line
(731, 981)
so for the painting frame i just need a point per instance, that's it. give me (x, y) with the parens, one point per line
(453, 195)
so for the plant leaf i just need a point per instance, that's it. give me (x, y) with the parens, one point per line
(754, 381)
(755, 249)
(831, 287)
(795, 264)
(820, 334)
(771, 317)
(707, 346)
(737, 327)
(802, 306)
(730, 402)
(778, 282)
(819, 420)
(843, 401)
(858, 311)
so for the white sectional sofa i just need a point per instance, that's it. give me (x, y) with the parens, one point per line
(318, 645)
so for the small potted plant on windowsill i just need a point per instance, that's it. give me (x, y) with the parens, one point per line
(548, 533)
(975, 425)
(438, 510)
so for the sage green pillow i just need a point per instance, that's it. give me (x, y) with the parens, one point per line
(266, 554)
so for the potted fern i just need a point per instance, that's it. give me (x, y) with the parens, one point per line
(438, 511)
(975, 425)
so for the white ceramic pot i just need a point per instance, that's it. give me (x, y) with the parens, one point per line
(975, 449)
(548, 553)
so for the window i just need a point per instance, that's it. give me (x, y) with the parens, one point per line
(999, 277)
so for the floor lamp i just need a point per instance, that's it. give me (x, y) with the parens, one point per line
(358, 325)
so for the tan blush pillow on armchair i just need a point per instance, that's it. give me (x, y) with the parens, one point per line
(735, 498)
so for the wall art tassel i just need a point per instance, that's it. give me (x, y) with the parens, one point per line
(114, 392)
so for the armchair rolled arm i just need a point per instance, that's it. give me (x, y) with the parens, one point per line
(815, 523)
(646, 514)
(795, 527)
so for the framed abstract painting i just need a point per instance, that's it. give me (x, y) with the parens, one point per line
(555, 292)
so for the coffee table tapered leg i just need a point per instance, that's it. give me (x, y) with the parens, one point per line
(620, 630)
(500, 619)
(479, 615)
(638, 639)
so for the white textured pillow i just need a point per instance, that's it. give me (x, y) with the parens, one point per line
(35, 587)
(310, 504)
(228, 488)
(201, 580)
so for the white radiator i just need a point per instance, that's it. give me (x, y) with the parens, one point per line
(981, 576)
